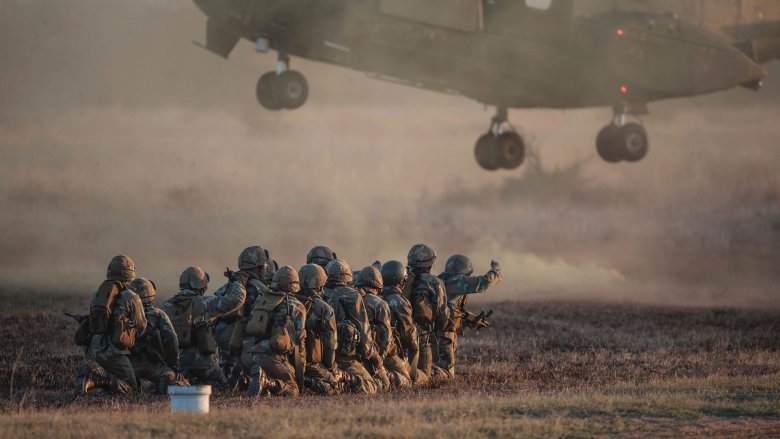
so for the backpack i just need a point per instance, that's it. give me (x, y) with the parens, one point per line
(102, 305)
(259, 322)
(181, 311)
(424, 303)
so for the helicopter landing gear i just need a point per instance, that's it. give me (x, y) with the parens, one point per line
(500, 149)
(621, 141)
(283, 88)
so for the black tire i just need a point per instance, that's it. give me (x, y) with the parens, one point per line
(633, 141)
(264, 91)
(290, 90)
(486, 152)
(510, 150)
(607, 144)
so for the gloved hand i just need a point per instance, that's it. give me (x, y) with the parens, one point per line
(231, 275)
(495, 266)
(236, 276)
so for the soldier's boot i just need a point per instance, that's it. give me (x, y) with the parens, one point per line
(382, 379)
(91, 381)
(262, 385)
(399, 381)
(237, 377)
(345, 382)
(257, 386)
(178, 380)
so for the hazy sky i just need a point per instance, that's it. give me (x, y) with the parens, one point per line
(118, 135)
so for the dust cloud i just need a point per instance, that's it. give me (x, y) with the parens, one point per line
(117, 135)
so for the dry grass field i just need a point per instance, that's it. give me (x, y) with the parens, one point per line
(546, 369)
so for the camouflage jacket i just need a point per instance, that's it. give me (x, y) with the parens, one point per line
(321, 340)
(401, 319)
(379, 318)
(164, 349)
(460, 286)
(290, 310)
(347, 304)
(254, 287)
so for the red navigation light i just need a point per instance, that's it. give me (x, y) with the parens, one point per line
(623, 89)
(620, 32)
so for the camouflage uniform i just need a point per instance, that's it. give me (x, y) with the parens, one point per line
(352, 323)
(256, 263)
(369, 283)
(429, 305)
(155, 356)
(271, 358)
(459, 284)
(405, 350)
(321, 374)
(197, 366)
(116, 371)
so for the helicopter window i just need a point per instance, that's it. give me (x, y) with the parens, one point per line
(545, 21)
(539, 4)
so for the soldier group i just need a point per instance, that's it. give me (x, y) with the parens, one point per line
(277, 331)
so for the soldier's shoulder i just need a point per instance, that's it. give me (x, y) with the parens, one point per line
(129, 295)
(154, 311)
(431, 279)
(257, 285)
(321, 304)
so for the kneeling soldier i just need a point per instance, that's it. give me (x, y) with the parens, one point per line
(116, 317)
(192, 315)
(155, 356)
(274, 337)
(459, 284)
(321, 375)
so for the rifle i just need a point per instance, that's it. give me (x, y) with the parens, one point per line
(479, 321)
(82, 336)
(77, 317)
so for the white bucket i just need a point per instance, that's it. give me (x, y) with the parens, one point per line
(189, 399)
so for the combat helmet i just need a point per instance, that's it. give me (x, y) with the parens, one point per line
(421, 256)
(145, 289)
(393, 274)
(121, 268)
(458, 264)
(286, 279)
(369, 277)
(320, 255)
(268, 274)
(312, 276)
(339, 272)
(195, 279)
(253, 257)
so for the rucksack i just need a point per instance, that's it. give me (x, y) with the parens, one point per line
(181, 311)
(102, 305)
(260, 317)
(423, 301)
